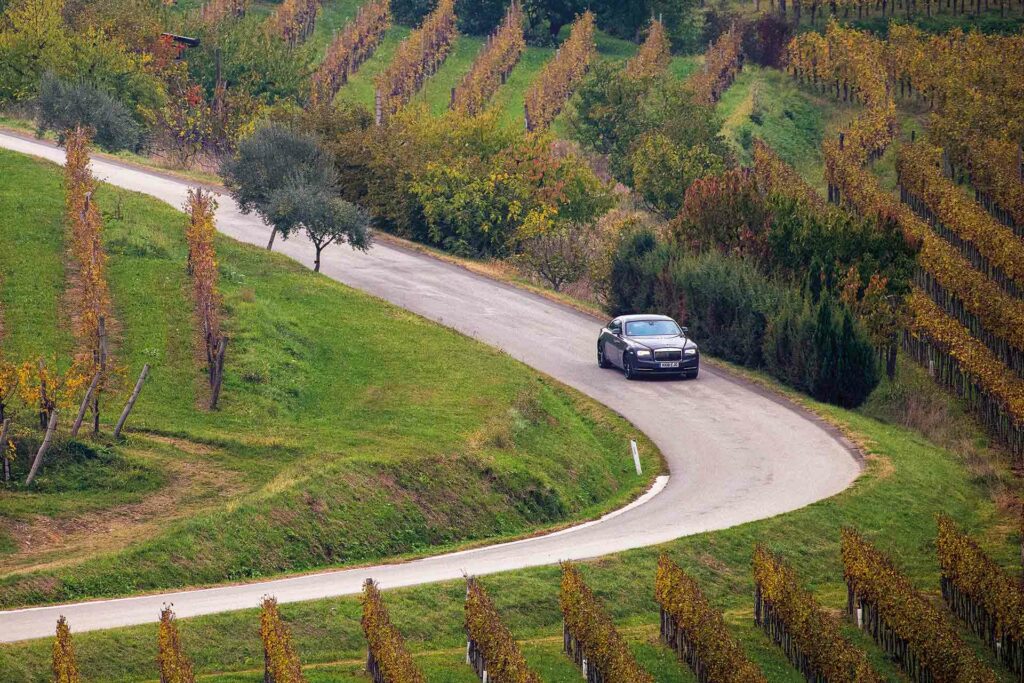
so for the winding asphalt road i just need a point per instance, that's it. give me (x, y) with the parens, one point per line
(735, 453)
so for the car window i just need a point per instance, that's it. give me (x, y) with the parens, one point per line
(652, 328)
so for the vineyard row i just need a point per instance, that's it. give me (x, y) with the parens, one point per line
(416, 59)
(881, 600)
(558, 79)
(354, 45)
(492, 66)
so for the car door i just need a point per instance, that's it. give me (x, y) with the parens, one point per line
(615, 344)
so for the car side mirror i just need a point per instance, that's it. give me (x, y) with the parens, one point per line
(686, 330)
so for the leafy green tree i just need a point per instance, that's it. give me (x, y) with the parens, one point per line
(35, 40)
(604, 116)
(252, 60)
(324, 217)
(635, 268)
(267, 161)
(664, 169)
(62, 106)
(343, 130)
(613, 114)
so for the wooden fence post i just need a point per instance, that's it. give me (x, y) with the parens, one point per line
(218, 372)
(131, 401)
(101, 360)
(43, 447)
(85, 404)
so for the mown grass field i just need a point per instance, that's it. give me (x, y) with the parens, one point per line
(906, 482)
(345, 423)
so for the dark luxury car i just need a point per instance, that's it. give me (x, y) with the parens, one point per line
(647, 345)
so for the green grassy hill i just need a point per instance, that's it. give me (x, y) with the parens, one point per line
(345, 425)
(907, 481)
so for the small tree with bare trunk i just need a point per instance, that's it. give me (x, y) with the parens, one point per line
(325, 218)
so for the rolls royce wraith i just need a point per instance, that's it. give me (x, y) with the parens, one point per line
(647, 345)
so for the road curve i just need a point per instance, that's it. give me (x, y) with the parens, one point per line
(735, 453)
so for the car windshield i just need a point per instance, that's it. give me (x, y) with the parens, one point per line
(652, 328)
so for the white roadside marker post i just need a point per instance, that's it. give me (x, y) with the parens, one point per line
(636, 456)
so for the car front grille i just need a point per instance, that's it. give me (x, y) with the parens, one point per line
(668, 354)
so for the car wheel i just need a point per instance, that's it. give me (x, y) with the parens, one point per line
(627, 368)
(602, 361)
(693, 375)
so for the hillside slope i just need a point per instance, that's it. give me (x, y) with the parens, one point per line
(346, 424)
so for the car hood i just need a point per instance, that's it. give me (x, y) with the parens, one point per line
(663, 342)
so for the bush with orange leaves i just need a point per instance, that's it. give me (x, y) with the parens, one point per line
(281, 662)
(387, 659)
(202, 265)
(175, 666)
(65, 668)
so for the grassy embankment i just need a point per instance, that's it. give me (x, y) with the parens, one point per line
(906, 482)
(345, 425)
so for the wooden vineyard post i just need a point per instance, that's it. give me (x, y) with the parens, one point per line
(85, 405)
(378, 110)
(3, 449)
(131, 401)
(43, 447)
(101, 362)
(217, 371)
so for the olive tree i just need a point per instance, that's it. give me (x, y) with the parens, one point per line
(267, 162)
(325, 218)
(65, 105)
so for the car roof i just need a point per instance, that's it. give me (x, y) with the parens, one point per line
(634, 317)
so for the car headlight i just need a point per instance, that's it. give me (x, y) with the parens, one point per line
(643, 353)
(690, 352)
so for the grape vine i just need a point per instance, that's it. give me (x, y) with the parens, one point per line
(492, 650)
(654, 54)
(387, 661)
(590, 638)
(982, 594)
(417, 58)
(902, 620)
(354, 45)
(810, 635)
(696, 630)
(202, 265)
(722, 61)
(281, 662)
(174, 664)
(493, 65)
(293, 20)
(558, 79)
